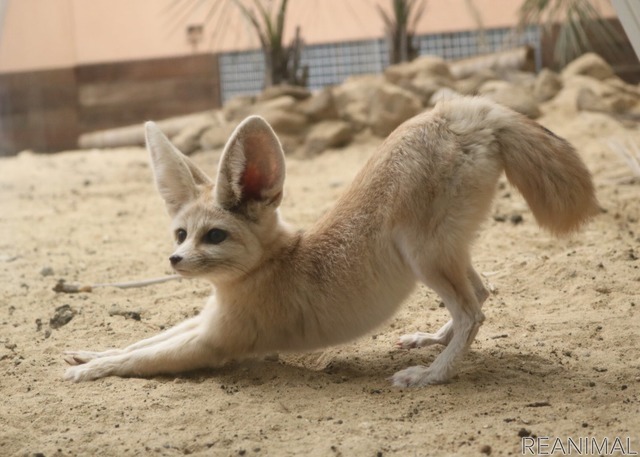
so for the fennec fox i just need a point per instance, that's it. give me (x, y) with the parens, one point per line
(409, 215)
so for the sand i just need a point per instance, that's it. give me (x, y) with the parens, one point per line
(558, 356)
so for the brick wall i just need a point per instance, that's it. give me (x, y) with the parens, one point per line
(47, 110)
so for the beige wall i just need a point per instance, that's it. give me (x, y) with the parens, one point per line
(44, 34)
(115, 30)
(36, 34)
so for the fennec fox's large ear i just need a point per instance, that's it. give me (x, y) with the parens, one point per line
(251, 171)
(177, 177)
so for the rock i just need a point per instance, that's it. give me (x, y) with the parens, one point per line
(425, 66)
(286, 102)
(566, 101)
(290, 143)
(590, 94)
(624, 97)
(520, 78)
(134, 135)
(587, 100)
(320, 106)
(46, 271)
(589, 64)
(286, 122)
(188, 139)
(425, 86)
(216, 136)
(237, 108)
(62, 316)
(135, 315)
(297, 92)
(471, 84)
(547, 85)
(523, 433)
(391, 106)
(494, 86)
(508, 60)
(281, 112)
(512, 96)
(621, 86)
(442, 95)
(353, 99)
(327, 134)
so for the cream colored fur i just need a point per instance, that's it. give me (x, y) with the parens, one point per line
(409, 216)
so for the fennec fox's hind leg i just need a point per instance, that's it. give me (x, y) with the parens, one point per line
(445, 333)
(460, 297)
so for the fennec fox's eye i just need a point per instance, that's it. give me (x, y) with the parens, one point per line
(215, 236)
(181, 235)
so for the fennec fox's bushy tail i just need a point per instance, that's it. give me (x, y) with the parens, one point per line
(550, 176)
(545, 168)
(409, 215)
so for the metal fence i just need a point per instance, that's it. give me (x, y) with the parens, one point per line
(332, 63)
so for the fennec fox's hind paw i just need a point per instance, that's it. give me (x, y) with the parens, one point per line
(421, 339)
(417, 376)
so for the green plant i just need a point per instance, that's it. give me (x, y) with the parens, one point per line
(282, 63)
(400, 28)
(577, 25)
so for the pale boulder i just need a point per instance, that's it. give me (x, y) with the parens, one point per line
(591, 94)
(327, 134)
(443, 94)
(425, 86)
(589, 64)
(284, 90)
(547, 85)
(216, 136)
(472, 84)
(286, 122)
(425, 66)
(353, 99)
(188, 139)
(320, 106)
(238, 107)
(390, 107)
(512, 96)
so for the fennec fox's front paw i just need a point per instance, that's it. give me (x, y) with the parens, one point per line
(81, 357)
(88, 371)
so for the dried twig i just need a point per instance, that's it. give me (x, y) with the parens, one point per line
(64, 287)
(141, 283)
(629, 151)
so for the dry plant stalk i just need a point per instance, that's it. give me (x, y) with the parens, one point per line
(629, 151)
(63, 287)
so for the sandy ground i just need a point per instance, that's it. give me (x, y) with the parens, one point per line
(558, 356)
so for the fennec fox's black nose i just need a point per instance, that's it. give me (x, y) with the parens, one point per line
(174, 259)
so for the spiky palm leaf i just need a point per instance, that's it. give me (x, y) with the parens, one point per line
(581, 27)
(281, 61)
(400, 28)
